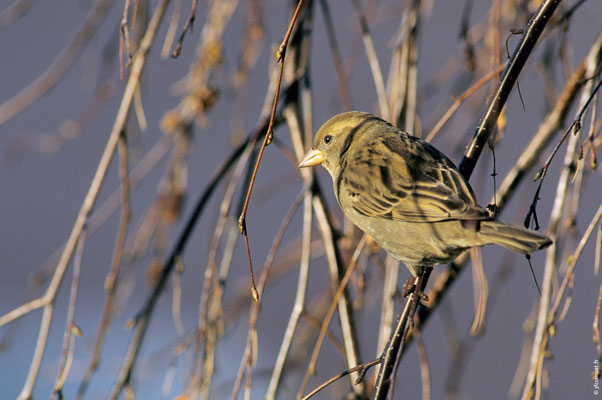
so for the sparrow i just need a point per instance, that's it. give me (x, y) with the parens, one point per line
(407, 195)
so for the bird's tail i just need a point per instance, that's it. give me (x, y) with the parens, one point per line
(512, 237)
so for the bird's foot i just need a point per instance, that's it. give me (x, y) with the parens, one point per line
(410, 287)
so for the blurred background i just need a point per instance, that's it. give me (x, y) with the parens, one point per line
(190, 118)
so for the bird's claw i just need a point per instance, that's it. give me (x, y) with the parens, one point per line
(410, 287)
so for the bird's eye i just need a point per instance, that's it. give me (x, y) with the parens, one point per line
(327, 139)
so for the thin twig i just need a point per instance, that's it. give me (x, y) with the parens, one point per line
(59, 66)
(362, 367)
(552, 121)
(250, 46)
(460, 99)
(387, 309)
(172, 28)
(343, 283)
(142, 319)
(242, 224)
(377, 75)
(94, 189)
(15, 11)
(393, 349)
(214, 281)
(110, 280)
(335, 267)
(336, 57)
(424, 365)
(300, 295)
(248, 359)
(293, 119)
(210, 307)
(408, 60)
(575, 127)
(509, 76)
(532, 385)
(189, 26)
(124, 39)
(69, 335)
(573, 263)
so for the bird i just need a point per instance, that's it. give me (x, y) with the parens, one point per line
(407, 195)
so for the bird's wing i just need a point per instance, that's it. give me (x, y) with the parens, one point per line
(406, 179)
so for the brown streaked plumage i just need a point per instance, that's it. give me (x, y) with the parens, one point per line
(406, 194)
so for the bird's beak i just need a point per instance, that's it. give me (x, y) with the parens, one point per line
(312, 158)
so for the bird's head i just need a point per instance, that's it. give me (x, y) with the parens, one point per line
(333, 139)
